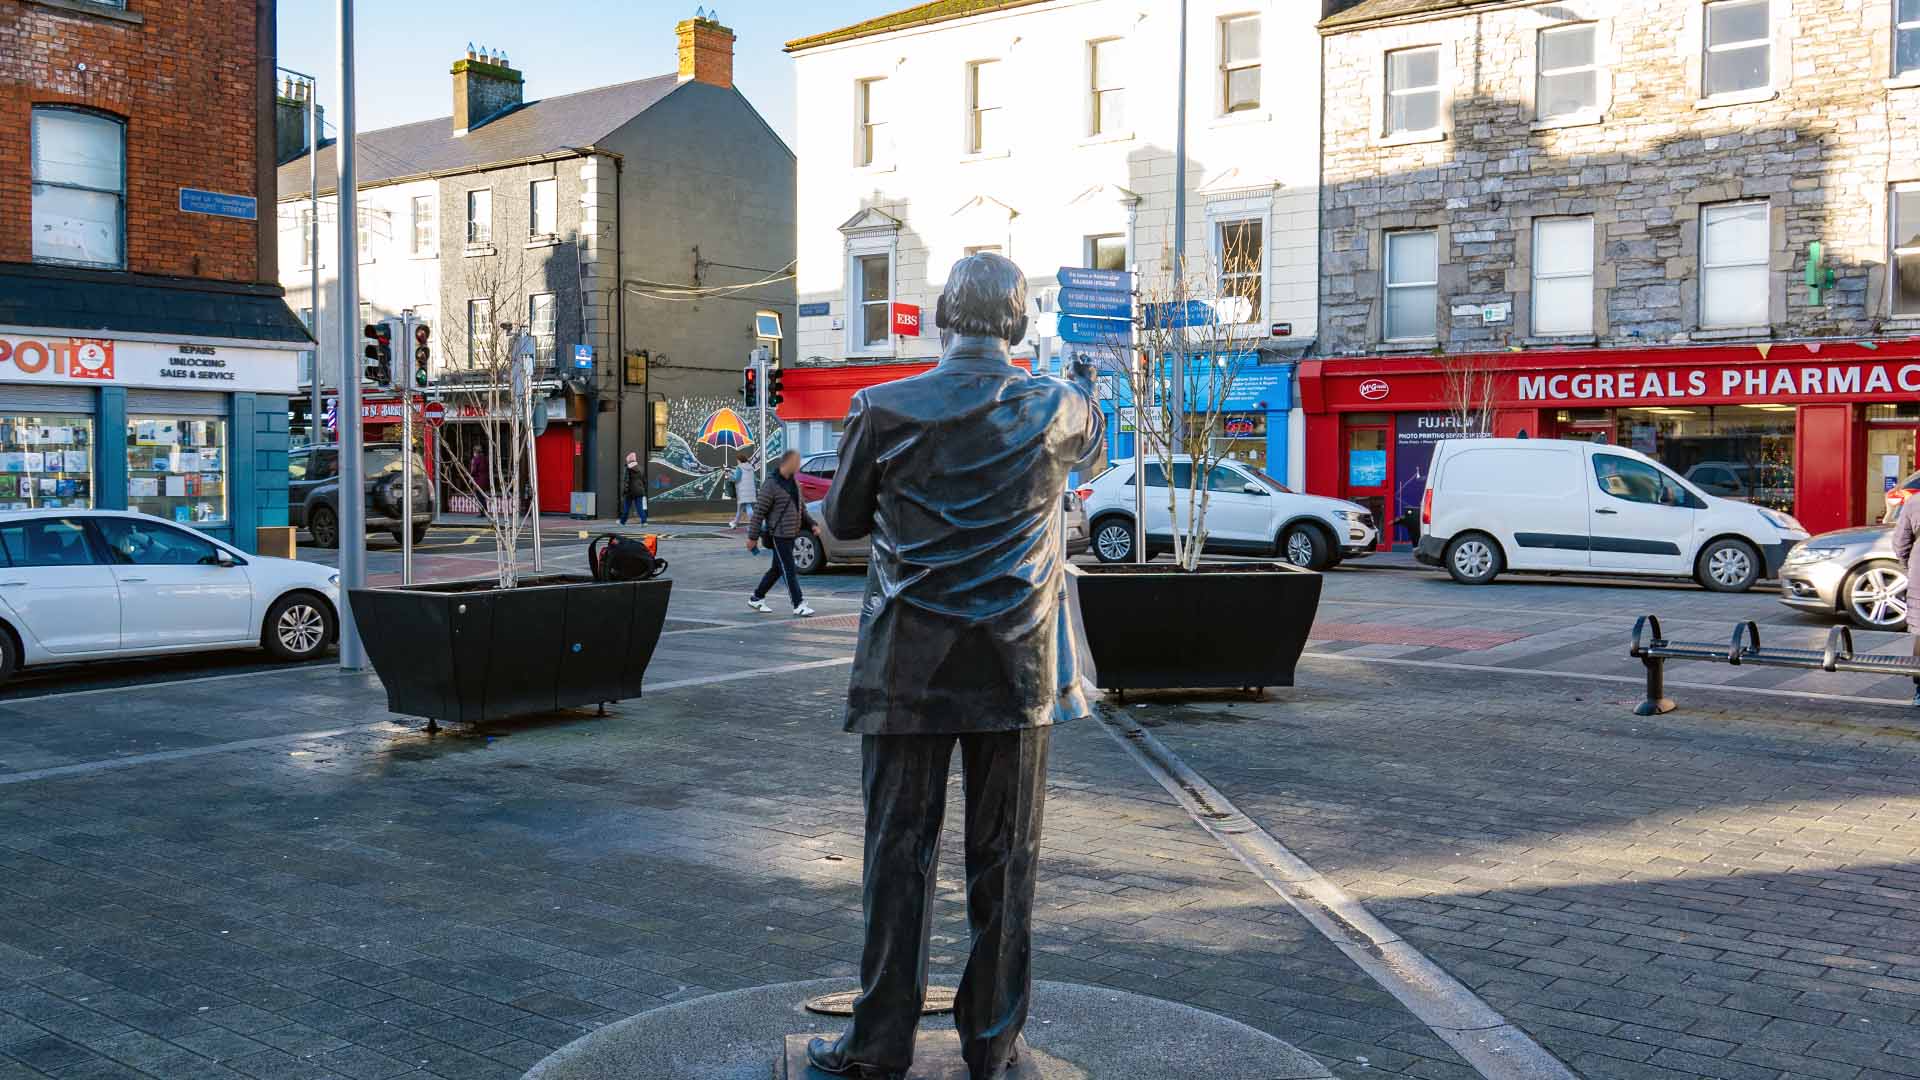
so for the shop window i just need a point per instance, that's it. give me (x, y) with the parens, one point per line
(1740, 452)
(1734, 241)
(1243, 437)
(1906, 37)
(1569, 79)
(1413, 90)
(47, 542)
(45, 462)
(1106, 89)
(1240, 64)
(79, 187)
(177, 468)
(1739, 47)
(1906, 248)
(1563, 275)
(1108, 252)
(984, 112)
(1413, 285)
(134, 542)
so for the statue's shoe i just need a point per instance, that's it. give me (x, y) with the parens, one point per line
(828, 1057)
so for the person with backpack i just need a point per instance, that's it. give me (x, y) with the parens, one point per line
(780, 513)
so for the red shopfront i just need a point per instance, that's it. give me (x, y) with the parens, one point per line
(1821, 430)
(824, 393)
(559, 451)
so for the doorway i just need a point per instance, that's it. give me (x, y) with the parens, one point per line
(1366, 467)
(1891, 457)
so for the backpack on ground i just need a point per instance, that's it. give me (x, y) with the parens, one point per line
(625, 558)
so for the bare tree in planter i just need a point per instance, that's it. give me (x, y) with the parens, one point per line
(1469, 380)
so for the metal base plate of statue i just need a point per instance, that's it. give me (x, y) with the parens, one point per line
(936, 1056)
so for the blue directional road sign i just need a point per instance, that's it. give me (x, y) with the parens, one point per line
(1088, 330)
(1101, 302)
(1079, 277)
(1170, 316)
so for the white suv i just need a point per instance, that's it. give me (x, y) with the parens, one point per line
(1248, 513)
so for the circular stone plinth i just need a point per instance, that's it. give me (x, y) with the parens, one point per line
(1076, 1033)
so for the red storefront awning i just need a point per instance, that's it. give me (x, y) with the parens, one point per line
(825, 393)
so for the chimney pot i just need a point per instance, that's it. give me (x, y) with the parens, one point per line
(484, 87)
(706, 50)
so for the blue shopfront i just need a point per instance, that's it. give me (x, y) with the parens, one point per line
(1253, 423)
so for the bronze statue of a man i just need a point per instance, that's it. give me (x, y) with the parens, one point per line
(957, 474)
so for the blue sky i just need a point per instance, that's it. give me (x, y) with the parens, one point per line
(560, 45)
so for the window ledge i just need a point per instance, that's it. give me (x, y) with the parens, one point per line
(985, 155)
(1554, 341)
(1107, 137)
(1579, 119)
(1421, 345)
(1730, 333)
(474, 250)
(1906, 80)
(1738, 97)
(545, 241)
(874, 168)
(423, 256)
(1409, 138)
(87, 7)
(1238, 119)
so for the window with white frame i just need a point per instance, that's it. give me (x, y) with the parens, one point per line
(362, 220)
(1906, 37)
(1905, 215)
(1739, 47)
(1569, 72)
(1412, 279)
(873, 287)
(540, 325)
(1239, 63)
(1563, 276)
(423, 225)
(1107, 86)
(1413, 90)
(79, 187)
(984, 108)
(543, 208)
(873, 144)
(1734, 243)
(1241, 254)
(479, 217)
(479, 332)
(306, 237)
(1107, 251)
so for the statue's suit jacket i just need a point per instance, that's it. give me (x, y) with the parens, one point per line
(957, 474)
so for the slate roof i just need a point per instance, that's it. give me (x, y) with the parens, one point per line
(919, 15)
(122, 304)
(1370, 11)
(429, 147)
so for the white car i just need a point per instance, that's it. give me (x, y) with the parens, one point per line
(1564, 506)
(103, 584)
(1248, 513)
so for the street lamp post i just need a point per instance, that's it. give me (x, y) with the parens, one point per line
(1177, 396)
(353, 502)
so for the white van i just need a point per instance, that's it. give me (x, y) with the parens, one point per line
(1562, 506)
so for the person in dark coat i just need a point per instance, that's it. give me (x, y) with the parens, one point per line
(633, 489)
(957, 475)
(1905, 533)
(780, 513)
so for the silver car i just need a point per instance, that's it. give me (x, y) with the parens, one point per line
(1849, 572)
(811, 557)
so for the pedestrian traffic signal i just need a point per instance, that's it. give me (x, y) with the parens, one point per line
(421, 354)
(379, 352)
(750, 386)
(774, 397)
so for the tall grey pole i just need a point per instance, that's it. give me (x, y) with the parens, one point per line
(407, 323)
(1177, 397)
(760, 382)
(353, 501)
(313, 247)
(1134, 392)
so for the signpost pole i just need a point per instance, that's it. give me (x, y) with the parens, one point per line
(527, 354)
(353, 500)
(313, 247)
(1177, 398)
(760, 381)
(407, 322)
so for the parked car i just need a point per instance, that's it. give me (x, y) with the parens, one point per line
(313, 491)
(105, 584)
(1561, 505)
(1851, 573)
(816, 475)
(1248, 513)
(810, 557)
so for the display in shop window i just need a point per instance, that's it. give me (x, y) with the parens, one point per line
(46, 462)
(176, 468)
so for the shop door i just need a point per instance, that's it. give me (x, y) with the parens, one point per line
(553, 456)
(1890, 461)
(1367, 468)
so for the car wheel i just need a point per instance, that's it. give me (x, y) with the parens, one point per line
(1113, 540)
(807, 556)
(9, 655)
(1307, 546)
(419, 532)
(1875, 597)
(298, 627)
(324, 526)
(1728, 566)
(1474, 559)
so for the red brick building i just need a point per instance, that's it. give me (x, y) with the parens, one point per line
(146, 348)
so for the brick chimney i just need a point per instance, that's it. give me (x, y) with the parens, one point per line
(483, 87)
(706, 52)
(290, 120)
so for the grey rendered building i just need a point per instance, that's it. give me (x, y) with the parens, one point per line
(647, 221)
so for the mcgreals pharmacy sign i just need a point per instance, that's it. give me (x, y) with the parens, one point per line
(175, 366)
(1739, 384)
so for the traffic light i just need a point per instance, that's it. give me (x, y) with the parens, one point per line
(750, 386)
(421, 354)
(774, 397)
(379, 352)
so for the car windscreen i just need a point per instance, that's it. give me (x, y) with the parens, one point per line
(383, 460)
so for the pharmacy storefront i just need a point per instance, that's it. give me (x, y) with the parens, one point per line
(193, 431)
(1820, 429)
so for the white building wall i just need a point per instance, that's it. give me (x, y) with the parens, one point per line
(1053, 184)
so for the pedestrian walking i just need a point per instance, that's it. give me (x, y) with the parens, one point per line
(633, 489)
(780, 513)
(745, 488)
(1905, 548)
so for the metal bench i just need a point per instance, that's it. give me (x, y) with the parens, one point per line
(1654, 649)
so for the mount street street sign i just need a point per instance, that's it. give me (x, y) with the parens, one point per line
(1102, 302)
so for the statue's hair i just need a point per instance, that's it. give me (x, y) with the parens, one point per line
(986, 295)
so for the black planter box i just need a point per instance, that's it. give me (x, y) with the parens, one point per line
(458, 652)
(1224, 625)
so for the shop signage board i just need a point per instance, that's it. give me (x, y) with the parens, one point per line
(813, 311)
(183, 365)
(906, 320)
(1258, 387)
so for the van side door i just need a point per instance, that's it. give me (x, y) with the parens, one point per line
(1643, 520)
